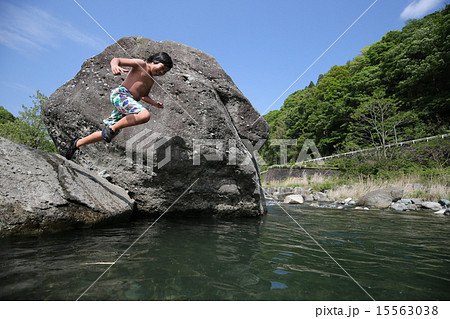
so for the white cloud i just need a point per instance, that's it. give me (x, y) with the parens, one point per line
(418, 8)
(29, 28)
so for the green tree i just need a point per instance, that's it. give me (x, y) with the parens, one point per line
(405, 74)
(379, 118)
(29, 128)
(5, 116)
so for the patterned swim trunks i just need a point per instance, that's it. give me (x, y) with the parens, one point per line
(124, 104)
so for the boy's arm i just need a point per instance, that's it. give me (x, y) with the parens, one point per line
(117, 63)
(148, 100)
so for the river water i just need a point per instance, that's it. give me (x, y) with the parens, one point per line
(384, 255)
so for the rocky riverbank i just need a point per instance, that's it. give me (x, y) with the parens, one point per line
(387, 198)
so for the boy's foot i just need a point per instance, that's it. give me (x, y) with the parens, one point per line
(108, 134)
(72, 148)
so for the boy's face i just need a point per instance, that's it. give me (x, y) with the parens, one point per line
(158, 69)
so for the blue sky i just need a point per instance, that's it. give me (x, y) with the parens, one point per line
(263, 45)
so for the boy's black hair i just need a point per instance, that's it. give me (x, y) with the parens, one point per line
(161, 57)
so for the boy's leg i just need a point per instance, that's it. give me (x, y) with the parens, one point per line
(131, 119)
(93, 138)
(126, 121)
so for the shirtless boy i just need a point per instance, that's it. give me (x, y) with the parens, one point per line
(127, 110)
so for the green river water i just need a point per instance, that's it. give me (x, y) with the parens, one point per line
(391, 255)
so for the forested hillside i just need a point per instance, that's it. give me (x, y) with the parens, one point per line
(399, 84)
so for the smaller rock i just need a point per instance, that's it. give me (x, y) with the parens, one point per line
(432, 205)
(444, 202)
(347, 200)
(381, 198)
(405, 201)
(294, 199)
(53, 194)
(416, 201)
(399, 206)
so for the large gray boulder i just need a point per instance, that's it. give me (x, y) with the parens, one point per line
(45, 192)
(381, 198)
(199, 146)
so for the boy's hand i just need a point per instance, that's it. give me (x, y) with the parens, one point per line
(159, 105)
(117, 70)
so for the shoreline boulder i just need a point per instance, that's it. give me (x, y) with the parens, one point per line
(431, 205)
(199, 146)
(43, 192)
(294, 199)
(381, 198)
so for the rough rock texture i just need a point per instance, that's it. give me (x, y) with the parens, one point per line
(381, 198)
(45, 192)
(201, 103)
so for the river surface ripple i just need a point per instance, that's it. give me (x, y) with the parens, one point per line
(391, 255)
